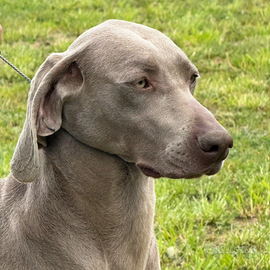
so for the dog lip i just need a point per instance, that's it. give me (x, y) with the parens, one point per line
(176, 174)
(148, 171)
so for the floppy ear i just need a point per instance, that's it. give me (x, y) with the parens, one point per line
(57, 79)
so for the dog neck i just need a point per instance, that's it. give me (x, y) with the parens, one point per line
(107, 188)
(79, 162)
(81, 189)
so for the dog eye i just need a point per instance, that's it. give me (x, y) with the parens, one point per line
(193, 78)
(142, 84)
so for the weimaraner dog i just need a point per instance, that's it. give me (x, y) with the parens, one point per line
(104, 118)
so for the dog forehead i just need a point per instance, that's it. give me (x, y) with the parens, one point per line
(115, 46)
(116, 36)
(134, 30)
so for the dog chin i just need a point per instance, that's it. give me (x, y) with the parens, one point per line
(150, 172)
(215, 169)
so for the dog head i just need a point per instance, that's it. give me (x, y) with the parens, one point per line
(127, 90)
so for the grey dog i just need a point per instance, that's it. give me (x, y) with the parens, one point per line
(104, 118)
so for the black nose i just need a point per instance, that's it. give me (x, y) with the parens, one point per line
(215, 144)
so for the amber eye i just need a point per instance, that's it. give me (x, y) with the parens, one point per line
(142, 84)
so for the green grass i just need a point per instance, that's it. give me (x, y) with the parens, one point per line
(218, 222)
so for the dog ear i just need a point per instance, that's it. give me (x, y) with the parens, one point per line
(57, 79)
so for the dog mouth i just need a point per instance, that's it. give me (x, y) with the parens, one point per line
(149, 171)
(215, 169)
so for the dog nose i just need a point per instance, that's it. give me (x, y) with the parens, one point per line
(215, 144)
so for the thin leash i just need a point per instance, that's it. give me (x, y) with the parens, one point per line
(16, 69)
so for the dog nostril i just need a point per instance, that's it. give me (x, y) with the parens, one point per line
(215, 142)
(207, 145)
(213, 148)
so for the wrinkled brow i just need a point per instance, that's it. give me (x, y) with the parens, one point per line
(193, 69)
(185, 64)
(144, 65)
(135, 68)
